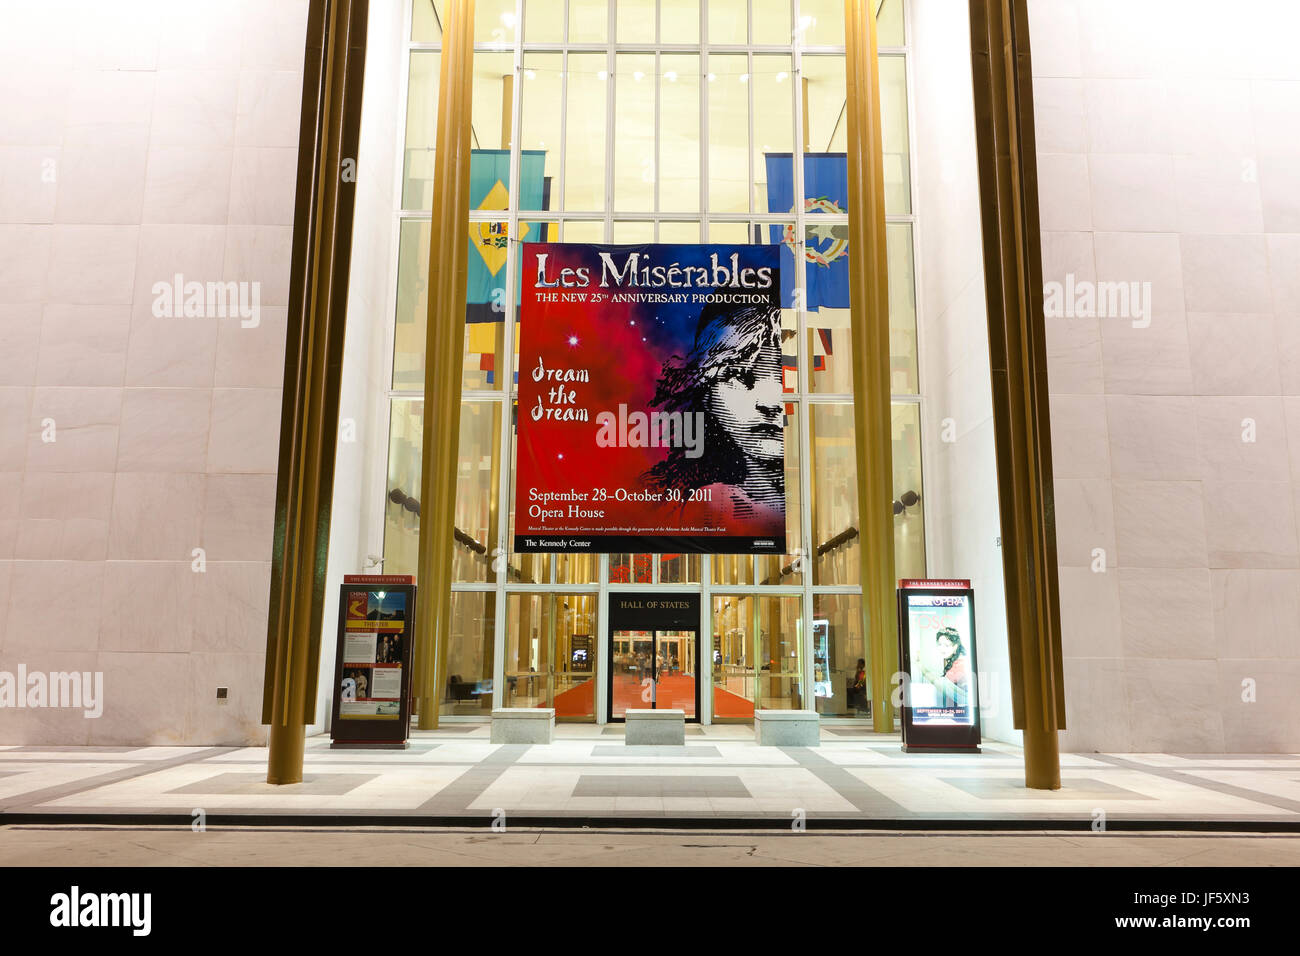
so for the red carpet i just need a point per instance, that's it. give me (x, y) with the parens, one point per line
(580, 701)
(577, 701)
(727, 704)
(677, 692)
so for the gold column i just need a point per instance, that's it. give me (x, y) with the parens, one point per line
(1013, 284)
(869, 300)
(329, 128)
(444, 348)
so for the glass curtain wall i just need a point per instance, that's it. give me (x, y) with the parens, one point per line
(635, 121)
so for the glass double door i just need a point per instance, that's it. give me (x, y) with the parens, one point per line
(654, 670)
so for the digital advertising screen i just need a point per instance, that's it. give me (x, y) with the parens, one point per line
(937, 631)
(651, 410)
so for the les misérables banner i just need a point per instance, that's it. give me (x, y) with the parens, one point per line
(651, 413)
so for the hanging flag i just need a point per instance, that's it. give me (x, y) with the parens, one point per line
(825, 246)
(489, 176)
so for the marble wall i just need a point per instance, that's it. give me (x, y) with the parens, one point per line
(1169, 155)
(140, 140)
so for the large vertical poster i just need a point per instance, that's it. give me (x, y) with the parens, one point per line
(651, 414)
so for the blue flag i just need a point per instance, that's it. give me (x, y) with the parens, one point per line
(826, 184)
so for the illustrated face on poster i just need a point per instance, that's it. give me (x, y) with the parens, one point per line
(651, 409)
(942, 689)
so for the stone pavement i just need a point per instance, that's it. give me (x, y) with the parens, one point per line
(590, 776)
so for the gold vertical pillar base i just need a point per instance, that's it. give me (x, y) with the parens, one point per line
(1042, 759)
(426, 714)
(287, 744)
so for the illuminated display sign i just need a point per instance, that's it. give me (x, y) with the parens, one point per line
(937, 649)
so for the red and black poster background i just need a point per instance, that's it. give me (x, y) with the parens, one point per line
(651, 416)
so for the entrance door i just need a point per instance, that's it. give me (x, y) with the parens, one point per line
(654, 654)
(654, 670)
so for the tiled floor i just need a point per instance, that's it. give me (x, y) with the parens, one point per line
(720, 775)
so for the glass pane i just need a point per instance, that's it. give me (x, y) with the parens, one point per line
(780, 650)
(494, 22)
(493, 88)
(588, 21)
(634, 132)
(540, 132)
(734, 673)
(529, 626)
(679, 134)
(737, 232)
(630, 232)
(469, 654)
(577, 568)
(679, 568)
(584, 231)
(826, 265)
(633, 663)
(675, 671)
(825, 121)
(893, 134)
(421, 118)
(543, 21)
(412, 304)
(841, 676)
(909, 513)
(679, 232)
(484, 313)
(426, 20)
(902, 310)
(772, 21)
(574, 662)
(773, 130)
(636, 21)
(551, 653)
(584, 138)
(679, 21)
(631, 568)
(402, 497)
(477, 547)
(837, 553)
(889, 23)
(474, 532)
(485, 301)
(733, 569)
(727, 21)
(822, 22)
(728, 82)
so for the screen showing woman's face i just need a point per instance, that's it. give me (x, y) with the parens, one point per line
(747, 401)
